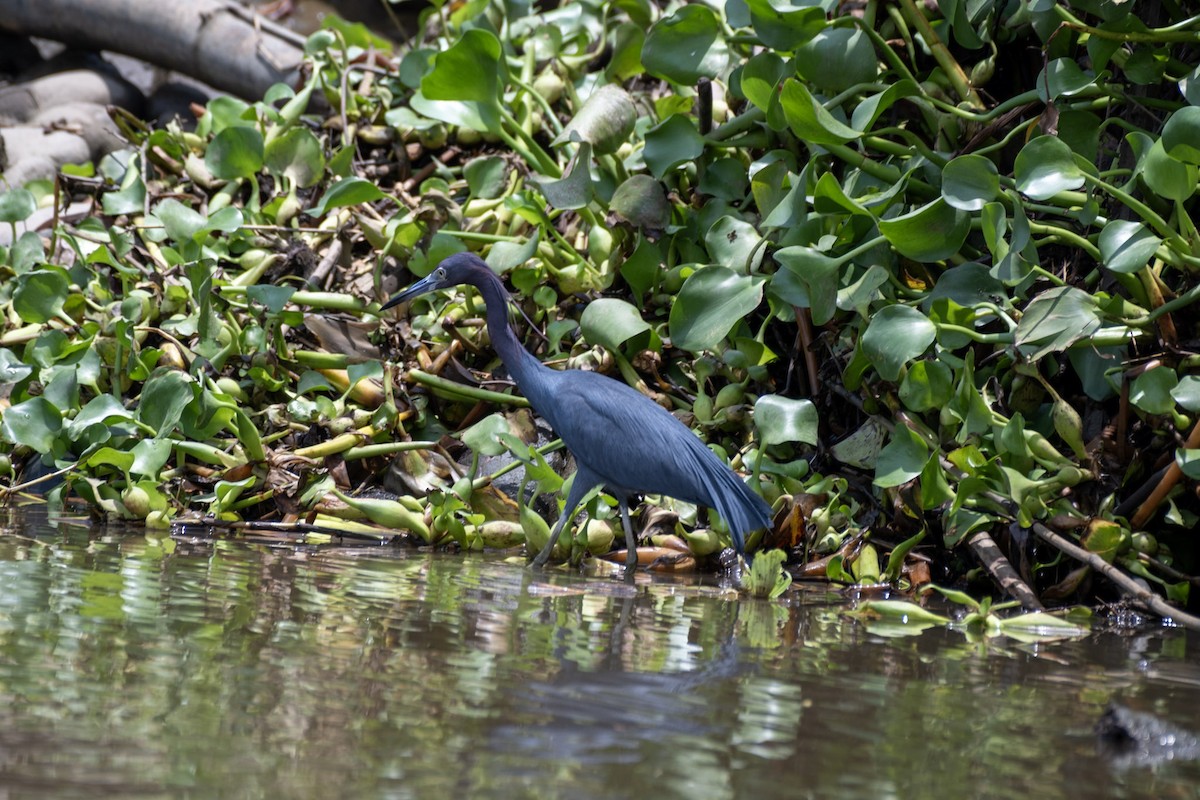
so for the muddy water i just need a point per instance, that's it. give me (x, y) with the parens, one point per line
(135, 666)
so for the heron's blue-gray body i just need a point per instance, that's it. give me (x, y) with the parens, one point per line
(621, 439)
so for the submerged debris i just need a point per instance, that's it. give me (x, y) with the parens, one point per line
(1135, 738)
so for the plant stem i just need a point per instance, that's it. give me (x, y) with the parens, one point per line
(530, 150)
(954, 73)
(1144, 211)
(385, 449)
(883, 172)
(1064, 235)
(335, 445)
(458, 391)
(1171, 33)
(318, 360)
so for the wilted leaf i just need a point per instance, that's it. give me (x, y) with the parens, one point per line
(1056, 319)
(642, 202)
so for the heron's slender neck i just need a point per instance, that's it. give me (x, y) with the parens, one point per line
(522, 365)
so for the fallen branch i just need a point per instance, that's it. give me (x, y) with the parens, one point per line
(1127, 585)
(1002, 570)
(213, 41)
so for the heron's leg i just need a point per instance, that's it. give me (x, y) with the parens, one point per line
(631, 555)
(584, 482)
(544, 556)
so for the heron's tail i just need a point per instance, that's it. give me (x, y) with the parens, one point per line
(741, 508)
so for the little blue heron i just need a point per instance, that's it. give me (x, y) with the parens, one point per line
(621, 439)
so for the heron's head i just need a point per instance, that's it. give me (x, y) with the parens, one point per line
(457, 269)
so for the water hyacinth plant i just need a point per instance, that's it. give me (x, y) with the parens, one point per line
(920, 270)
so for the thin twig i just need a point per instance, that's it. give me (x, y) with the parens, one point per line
(1126, 584)
(20, 487)
(446, 156)
(264, 25)
(805, 335)
(1167, 570)
(325, 266)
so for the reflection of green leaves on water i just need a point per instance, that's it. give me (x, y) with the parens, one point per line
(760, 622)
(981, 621)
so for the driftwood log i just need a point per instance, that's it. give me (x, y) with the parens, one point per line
(214, 41)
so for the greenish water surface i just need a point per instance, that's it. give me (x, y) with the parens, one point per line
(186, 667)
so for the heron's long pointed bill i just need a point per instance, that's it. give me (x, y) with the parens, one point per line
(426, 284)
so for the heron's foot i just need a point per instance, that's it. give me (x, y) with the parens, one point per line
(631, 562)
(542, 557)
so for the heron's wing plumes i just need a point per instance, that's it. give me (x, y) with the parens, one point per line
(635, 445)
(718, 487)
(740, 506)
